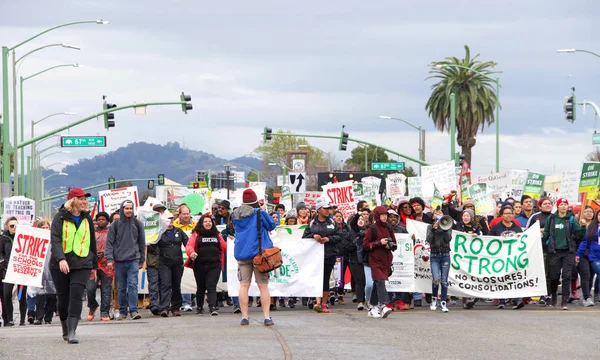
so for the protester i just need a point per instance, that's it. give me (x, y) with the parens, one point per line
(588, 256)
(379, 241)
(439, 243)
(418, 206)
(170, 270)
(559, 234)
(153, 265)
(74, 259)
(229, 234)
(402, 300)
(125, 253)
(291, 218)
(246, 220)
(6, 242)
(468, 224)
(405, 211)
(185, 222)
(358, 262)
(104, 276)
(518, 208)
(45, 300)
(346, 245)
(545, 206)
(222, 216)
(323, 229)
(303, 213)
(526, 210)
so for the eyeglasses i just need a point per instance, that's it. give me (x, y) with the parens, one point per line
(12, 226)
(507, 213)
(221, 208)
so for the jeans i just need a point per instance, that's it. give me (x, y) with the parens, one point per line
(7, 303)
(187, 299)
(380, 294)
(153, 287)
(358, 275)
(440, 265)
(368, 283)
(69, 291)
(170, 287)
(596, 267)
(30, 304)
(207, 277)
(127, 282)
(105, 290)
(557, 262)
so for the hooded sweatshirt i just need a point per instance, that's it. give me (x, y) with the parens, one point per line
(245, 224)
(380, 257)
(126, 239)
(560, 232)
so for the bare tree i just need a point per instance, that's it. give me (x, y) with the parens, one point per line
(594, 155)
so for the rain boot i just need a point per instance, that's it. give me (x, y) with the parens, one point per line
(65, 330)
(72, 322)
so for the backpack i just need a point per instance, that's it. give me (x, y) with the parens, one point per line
(362, 254)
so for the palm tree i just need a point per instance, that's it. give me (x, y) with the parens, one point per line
(474, 94)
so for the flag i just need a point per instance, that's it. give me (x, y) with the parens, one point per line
(437, 198)
(207, 179)
(94, 209)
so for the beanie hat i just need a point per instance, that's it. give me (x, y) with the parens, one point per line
(468, 202)
(561, 200)
(470, 212)
(301, 205)
(249, 197)
(291, 214)
(507, 203)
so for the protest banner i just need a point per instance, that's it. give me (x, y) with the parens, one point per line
(371, 186)
(151, 221)
(110, 200)
(588, 182)
(172, 195)
(395, 185)
(20, 207)
(342, 195)
(30, 251)
(534, 185)
(421, 253)
(403, 265)
(491, 267)
(465, 183)
(414, 186)
(437, 199)
(517, 181)
(301, 273)
(569, 183)
(311, 197)
(484, 204)
(443, 175)
(497, 184)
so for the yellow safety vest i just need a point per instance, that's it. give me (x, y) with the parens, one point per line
(75, 239)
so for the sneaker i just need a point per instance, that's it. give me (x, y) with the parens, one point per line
(104, 317)
(433, 306)
(341, 300)
(174, 313)
(91, 314)
(501, 305)
(37, 322)
(400, 305)
(443, 307)
(360, 307)
(354, 299)
(374, 313)
(236, 309)
(272, 307)
(317, 308)
(30, 319)
(187, 307)
(155, 311)
(385, 312)
(542, 301)
(469, 304)
(214, 312)
(269, 322)
(588, 302)
(310, 303)
(324, 308)
(519, 305)
(564, 307)
(332, 300)
(200, 311)
(291, 304)
(244, 322)
(164, 313)
(281, 303)
(135, 316)
(117, 315)
(418, 303)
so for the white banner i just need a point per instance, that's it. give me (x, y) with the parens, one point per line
(395, 185)
(111, 200)
(569, 185)
(403, 276)
(341, 194)
(443, 175)
(20, 207)
(30, 251)
(301, 273)
(488, 266)
(497, 184)
(414, 186)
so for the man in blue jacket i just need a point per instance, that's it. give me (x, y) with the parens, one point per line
(245, 223)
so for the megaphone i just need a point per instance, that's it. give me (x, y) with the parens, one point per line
(446, 222)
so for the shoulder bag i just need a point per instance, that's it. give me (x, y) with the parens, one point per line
(269, 259)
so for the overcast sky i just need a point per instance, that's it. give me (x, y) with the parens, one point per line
(309, 67)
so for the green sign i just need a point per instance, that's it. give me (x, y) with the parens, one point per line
(534, 185)
(83, 141)
(387, 166)
(596, 139)
(91, 199)
(588, 182)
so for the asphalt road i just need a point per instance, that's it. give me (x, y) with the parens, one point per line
(483, 332)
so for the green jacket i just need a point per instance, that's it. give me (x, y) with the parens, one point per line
(561, 232)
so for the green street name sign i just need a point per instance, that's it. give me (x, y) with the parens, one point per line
(83, 141)
(387, 166)
(596, 139)
(92, 199)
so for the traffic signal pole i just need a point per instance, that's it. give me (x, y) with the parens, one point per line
(50, 198)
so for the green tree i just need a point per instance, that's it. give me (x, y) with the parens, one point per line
(123, 184)
(474, 94)
(12, 157)
(409, 172)
(373, 154)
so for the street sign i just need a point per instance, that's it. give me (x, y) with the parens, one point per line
(297, 182)
(83, 141)
(387, 166)
(91, 199)
(298, 165)
(596, 139)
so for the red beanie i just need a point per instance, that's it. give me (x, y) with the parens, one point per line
(561, 200)
(249, 197)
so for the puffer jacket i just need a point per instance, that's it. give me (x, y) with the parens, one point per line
(590, 247)
(327, 229)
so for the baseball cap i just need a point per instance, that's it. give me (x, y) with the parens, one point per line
(77, 192)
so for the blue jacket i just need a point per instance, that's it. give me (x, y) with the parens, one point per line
(246, 235)
(594, 248)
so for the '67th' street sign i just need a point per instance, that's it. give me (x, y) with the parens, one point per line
(83, 141)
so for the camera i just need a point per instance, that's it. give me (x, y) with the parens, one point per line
(392, 245)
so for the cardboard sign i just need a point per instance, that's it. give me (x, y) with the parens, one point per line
(342, 195)
(443, 175)
(29, 254)
(111, 200)
(20, 207)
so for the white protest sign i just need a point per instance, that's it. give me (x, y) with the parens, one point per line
(569, 185)
(30, 251)
(414, 186)
(311, 197)
(301, 273)
(497, 184)
(20, 207)
(371, 186)
(341, 194)
(489, 266)
(403, 263)
(395, 185)
(110, 200)
(443, 175)
(517, 180)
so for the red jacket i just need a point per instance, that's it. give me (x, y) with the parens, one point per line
(380, 257)
(101, 236)
(191, 247)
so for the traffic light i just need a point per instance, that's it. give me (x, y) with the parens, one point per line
(186, 105)
(267, 134)
(460, 158)
(343, 141)
(108, 117)
(111, 183)
(161, 179)
(569, 108)
(196, 185)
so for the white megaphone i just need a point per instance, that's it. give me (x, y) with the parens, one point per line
(446, 222)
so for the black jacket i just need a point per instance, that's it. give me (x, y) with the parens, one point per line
(5, 248)
(325, 229)
(347, 244)
(439, 240)
(456, 214)
(56, 239)
(170, 252)
(208, 249)
(468, 228)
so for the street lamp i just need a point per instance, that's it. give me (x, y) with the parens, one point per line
(421, 137)
(497, 81)
(572, 51)
(60, 173)
(227, 173)
(57, 163)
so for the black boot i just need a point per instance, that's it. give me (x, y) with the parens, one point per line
(72, 322)
(65, 330)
